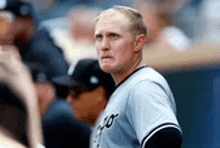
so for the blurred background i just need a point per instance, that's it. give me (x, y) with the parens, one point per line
(176, 24)
(183, 44)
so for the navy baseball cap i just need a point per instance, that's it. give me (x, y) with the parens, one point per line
(17, 7)
(86, 73)
(43, 73)
(39, 72)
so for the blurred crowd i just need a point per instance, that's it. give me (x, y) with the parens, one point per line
(44, 39)
(175, 23)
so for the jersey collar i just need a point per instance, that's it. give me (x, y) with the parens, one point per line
(130, 75)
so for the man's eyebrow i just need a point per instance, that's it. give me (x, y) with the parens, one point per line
(97, 35)
(108, 34)
(112, 33)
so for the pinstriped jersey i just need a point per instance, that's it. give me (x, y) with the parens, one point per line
(140, 106)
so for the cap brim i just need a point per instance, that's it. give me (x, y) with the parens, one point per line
(65, 81)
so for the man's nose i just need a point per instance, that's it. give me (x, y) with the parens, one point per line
(69, 100)
(105, 44)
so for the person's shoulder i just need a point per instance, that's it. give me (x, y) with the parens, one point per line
(147, 77)
(43, 31)
(60, 114)
(142, 74)
(59, 110)
(142, 78)
(147, 74)
(151, 73)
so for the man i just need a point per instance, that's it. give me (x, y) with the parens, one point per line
(60, 128)
(19, 29)
(141, 112)
(17, 24)
(90, 89)
(33, 45)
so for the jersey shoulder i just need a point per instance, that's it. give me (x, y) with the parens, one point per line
(149, 75)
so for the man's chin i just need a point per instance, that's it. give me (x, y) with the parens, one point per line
(82, 119)
(107, 65)
(106, 69)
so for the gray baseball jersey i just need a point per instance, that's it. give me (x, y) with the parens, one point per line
(140, 106)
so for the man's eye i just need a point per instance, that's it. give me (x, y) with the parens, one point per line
(114, 36)
(73, 95)
(99, 38)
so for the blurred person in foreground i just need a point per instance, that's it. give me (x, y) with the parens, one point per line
(142, 111)
(60, 128)
(20, 125)
(90, 89)
(19, 30)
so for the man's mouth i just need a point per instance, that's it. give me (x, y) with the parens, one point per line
(106, 57)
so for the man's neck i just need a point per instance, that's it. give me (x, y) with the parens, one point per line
(121, 76)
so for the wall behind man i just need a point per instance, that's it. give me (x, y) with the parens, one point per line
(197, 98)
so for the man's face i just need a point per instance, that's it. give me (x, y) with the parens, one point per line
(6, 28)
(87, 104)
(15, 30)
(45, 94)
(114, 43)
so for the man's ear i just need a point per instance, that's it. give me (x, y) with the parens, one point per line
(100, 90)
(140, 42)
(49, 90)
(102, 96)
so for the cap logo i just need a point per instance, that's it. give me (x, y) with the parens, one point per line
(94, 80)
(71, 69)
(24, 10)
(41, 77)
(3, 4)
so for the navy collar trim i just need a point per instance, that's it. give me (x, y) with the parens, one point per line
(130, 76)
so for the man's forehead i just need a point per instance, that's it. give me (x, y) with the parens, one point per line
(7, 15)
(111, 22)
(110, 16)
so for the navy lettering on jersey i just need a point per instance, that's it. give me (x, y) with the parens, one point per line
(107, 123)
